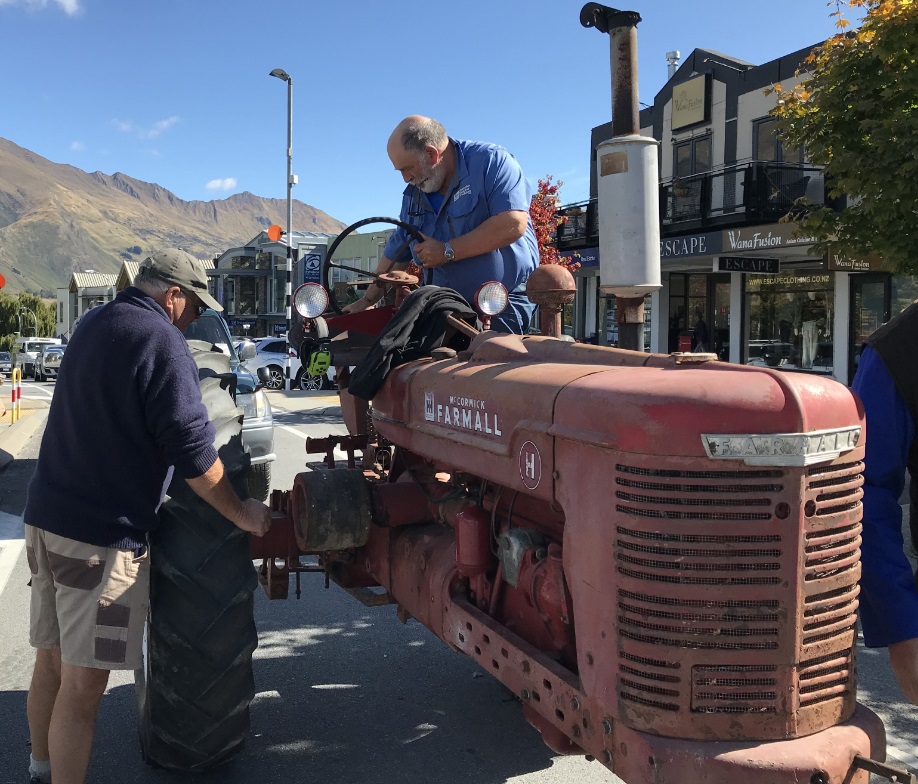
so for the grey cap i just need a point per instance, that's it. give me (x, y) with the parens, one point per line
(181, 269)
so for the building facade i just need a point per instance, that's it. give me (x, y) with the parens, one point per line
(732, 266)
(85, 291)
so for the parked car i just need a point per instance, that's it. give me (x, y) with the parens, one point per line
(258, 419)
(271, 354)
(27, 352)
(6, 363)
(48, 362)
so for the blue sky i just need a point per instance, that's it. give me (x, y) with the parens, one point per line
(177, 92)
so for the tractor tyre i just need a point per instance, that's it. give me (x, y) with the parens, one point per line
(259, 481)
(196, 683)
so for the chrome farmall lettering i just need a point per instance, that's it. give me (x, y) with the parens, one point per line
(463, 413)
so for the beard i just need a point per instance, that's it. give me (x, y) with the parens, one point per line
(431, 178)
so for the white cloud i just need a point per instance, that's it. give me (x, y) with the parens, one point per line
(77, 146)
(226, 184)
(70, 7)
(147, 134)
(158, 127)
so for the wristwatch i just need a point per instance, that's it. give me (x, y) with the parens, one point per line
(448, 253)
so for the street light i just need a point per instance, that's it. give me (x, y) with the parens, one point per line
(281, 74)
(26, 310)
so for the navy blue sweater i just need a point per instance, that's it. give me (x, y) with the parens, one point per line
(127, 407)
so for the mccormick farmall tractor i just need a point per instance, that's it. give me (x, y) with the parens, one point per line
(658, 554)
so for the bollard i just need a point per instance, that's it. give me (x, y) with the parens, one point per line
(16, 408)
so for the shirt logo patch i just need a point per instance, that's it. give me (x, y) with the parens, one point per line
(465, 190)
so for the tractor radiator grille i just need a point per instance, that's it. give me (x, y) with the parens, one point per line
(722, 574)
(695, 495)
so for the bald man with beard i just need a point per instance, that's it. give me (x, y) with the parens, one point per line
(470, 201)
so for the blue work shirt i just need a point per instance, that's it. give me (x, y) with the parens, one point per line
(889, 599)
(487, 182)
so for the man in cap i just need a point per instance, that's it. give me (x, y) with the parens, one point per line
(126, 413)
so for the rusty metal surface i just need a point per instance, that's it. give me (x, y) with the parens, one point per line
(330, 510)
(689, 618)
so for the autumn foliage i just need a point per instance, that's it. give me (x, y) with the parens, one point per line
(545, 220)
(854, 112)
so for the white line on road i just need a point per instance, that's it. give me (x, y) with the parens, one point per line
(11, 544)
(896, 747)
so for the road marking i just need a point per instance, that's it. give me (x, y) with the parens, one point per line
(11, 545)
(896, 747)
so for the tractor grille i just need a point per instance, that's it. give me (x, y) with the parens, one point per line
(708, 566)
(831, 547)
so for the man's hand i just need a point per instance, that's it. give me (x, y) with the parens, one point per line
(355, 307)
(254, 517)
(904, 659)
(430, 252)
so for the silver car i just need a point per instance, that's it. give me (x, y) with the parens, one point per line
(258, 420)
(6, 363)
(48, 362)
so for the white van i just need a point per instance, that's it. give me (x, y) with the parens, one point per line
(27, 350)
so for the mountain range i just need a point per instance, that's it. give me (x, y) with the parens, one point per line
(56, 219)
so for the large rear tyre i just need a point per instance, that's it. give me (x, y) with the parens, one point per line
(196, 684)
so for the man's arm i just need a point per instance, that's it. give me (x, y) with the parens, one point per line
(889, 599)
(496, 232)
(215, 488)
(375, 291)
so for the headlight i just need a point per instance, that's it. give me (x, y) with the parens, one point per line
(310, 300)
(261, 404)
(491, 298)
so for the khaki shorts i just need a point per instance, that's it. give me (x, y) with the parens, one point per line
(89, 601)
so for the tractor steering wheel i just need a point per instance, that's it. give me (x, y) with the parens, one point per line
(328, 264)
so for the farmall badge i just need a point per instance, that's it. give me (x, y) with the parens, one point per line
(530, 465)
(463, 413)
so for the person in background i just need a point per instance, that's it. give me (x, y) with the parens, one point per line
(701, 332)
(127, 413)
(470, 201)
(887, 383)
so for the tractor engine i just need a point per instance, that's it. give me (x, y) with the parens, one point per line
(658, 554)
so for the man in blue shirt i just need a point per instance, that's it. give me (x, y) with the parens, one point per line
(470, 201)
(889, 599)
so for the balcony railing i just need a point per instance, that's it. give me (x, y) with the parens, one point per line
(754, 192)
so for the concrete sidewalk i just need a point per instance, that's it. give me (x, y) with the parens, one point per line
(14, 435)
(324, 403)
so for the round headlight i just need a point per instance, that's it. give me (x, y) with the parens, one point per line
(310, 300)
(492, 298)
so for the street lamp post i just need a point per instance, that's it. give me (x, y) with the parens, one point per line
(34, 319)
(280, 73)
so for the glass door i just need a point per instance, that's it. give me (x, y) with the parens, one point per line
(720, 318)
(870, 296)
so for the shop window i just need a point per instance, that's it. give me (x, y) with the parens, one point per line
(280, 285)
(229, 295)
(768, 146)
(789, 321)
(246, 296)
(263, 260)
(242, 262)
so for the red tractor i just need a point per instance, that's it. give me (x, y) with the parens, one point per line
(659, 555)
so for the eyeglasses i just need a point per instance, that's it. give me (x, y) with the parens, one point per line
(196, 303)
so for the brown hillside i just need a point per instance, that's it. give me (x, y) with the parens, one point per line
(56, 219)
